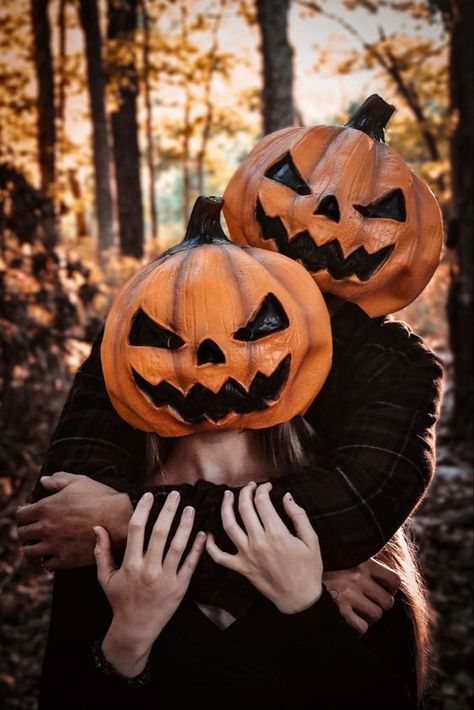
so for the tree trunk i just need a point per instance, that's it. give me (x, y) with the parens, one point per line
(122, 21)
(208, 102)
(75, 187)
(45, 79)
(277, 94)
(100, 138)
(460, 311)
(61, 67)
(149, 123)
(186, 123)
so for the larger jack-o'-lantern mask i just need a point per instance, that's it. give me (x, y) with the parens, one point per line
(215, 336)
(345, 205)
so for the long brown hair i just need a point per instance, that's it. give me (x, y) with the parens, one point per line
(400, 554)
(289, 445)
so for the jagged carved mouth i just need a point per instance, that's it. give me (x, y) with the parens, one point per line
(328, 256)
(201, 403)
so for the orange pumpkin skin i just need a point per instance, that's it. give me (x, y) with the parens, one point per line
(209, 292)
(347, 164)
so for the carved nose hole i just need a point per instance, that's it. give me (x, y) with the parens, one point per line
(209, 351)
(329, 207)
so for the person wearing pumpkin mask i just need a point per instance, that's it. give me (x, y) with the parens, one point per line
(258, 368)
(375, 414)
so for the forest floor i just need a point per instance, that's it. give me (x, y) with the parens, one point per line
(443, 532)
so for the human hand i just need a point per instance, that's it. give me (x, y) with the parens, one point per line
(59, 527)
(147, 589)
(363, 593)
(286, 568)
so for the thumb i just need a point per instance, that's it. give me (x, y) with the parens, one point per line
(57, 481)
(300, 520)
(103, 555)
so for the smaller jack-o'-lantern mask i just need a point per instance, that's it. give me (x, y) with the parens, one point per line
(215, 336)
(346, 206)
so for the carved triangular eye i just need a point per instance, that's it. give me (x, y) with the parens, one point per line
(270, 317)
(286, 172)
(390, 206)
(146, 332)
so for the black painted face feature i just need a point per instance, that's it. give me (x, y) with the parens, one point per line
(327, 256)
(210, 353)
(145, 332)
(272, 227)
(270, 317)
(286, 172)
(201, 403)
(390, 206)
(329, 207)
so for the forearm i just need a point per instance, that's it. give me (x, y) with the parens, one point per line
(125, 650)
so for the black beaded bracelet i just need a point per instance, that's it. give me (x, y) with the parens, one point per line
(104, 666)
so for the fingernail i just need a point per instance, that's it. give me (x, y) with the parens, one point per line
(252, 483)
(228, 494)
(188, 511)
(95, 530)
(174, 495)
(289, 497)
(147, 497)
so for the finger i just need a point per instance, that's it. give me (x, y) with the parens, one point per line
(230, 524)
(161, 528)
(357, 623)
(57, 481)
(136, 530)
(378, 594)
(103, 555)
(30, 533)
(253, 526)
(222, 558)
(303, 527)
(34, 552)
(266, 510)
(180, 540)
(190, 563)
(365, 608)
(385, 576)
(28, 513)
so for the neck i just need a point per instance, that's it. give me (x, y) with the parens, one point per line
(223, 457)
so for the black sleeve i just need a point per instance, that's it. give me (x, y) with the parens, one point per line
(376, 414)
(329, 666)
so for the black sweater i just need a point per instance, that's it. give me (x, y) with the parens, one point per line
(265, 659)
(376, 415)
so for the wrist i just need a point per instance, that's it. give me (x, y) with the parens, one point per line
(298, 605)
(126, 648)
(119, 514)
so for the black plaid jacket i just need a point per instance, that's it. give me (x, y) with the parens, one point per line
(376, 415)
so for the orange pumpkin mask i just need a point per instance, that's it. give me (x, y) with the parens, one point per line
(215, 336)
(346, 206)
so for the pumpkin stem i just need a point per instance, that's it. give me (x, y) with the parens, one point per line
(204, 225)
(372, 117)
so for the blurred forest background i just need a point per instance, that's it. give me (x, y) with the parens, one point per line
(114, 116)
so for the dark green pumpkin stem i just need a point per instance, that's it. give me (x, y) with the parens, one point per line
(372, 117)
(204, 225)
